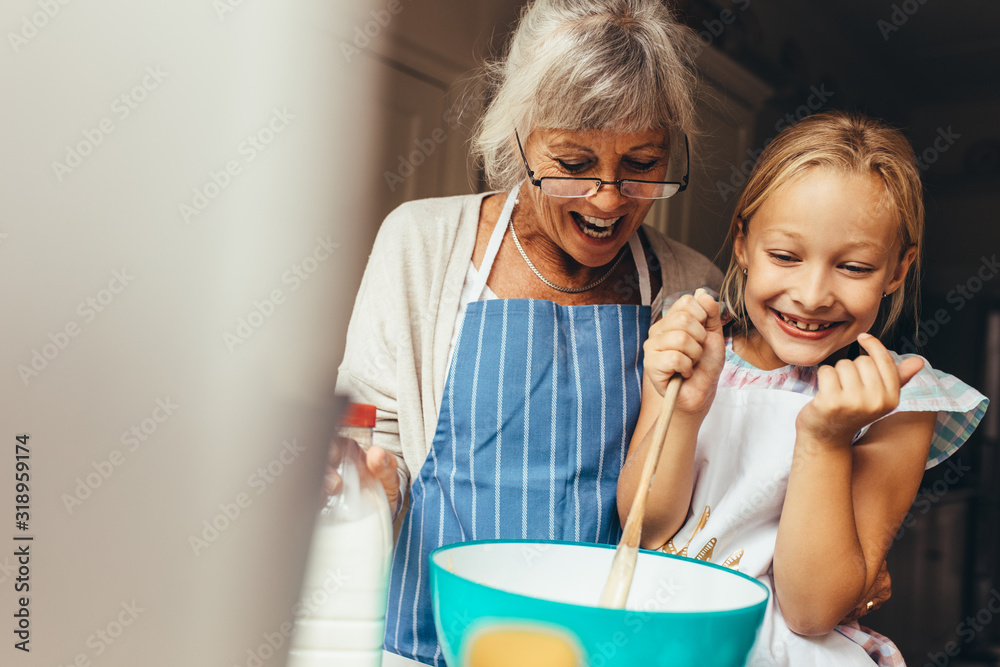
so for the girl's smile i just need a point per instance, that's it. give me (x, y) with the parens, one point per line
(804, 327)
(819, 253)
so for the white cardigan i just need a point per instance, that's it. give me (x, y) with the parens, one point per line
(404, 316)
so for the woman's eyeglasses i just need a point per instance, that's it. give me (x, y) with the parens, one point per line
(574, 186)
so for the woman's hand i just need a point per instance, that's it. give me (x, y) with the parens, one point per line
(880, 591)
(855, 393)
(382, 466)
(687, 340)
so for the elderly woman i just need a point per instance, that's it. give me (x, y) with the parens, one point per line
(500, 335)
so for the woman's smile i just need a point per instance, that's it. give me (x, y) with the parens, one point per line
(594, 227)
(574, 233)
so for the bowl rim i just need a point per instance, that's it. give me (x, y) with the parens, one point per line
(439, 570)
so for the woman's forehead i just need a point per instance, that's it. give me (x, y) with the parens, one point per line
(596, 140)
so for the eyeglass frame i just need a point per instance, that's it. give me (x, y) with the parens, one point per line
(601, 183)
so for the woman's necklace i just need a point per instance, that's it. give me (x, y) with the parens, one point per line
(570, 290)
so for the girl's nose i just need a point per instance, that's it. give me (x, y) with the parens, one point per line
(813, 289)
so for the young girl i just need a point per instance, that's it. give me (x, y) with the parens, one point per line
(792, 455)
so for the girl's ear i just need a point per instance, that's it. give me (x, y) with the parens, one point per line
(740, 242)
(902, 268)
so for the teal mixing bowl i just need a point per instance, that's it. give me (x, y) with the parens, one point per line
(493, 596)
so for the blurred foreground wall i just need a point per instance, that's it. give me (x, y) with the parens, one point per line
(179, 189)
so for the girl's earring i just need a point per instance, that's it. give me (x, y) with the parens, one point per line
(884, 295)
(745, 272)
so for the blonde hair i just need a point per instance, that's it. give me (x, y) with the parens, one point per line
(851, 144)
(621, 65)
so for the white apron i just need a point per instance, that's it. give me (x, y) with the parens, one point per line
(742, 462)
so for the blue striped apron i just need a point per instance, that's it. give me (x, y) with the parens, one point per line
(539, 404)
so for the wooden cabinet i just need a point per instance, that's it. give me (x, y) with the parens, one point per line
(926, 563)
(721, 156)
(423, 58)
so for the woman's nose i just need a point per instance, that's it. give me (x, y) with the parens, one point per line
(608, 197)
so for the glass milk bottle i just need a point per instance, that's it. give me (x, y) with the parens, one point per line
(341, 617)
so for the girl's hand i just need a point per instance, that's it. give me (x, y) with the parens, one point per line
(855, 393)
(687, 340)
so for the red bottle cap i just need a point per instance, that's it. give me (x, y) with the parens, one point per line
(359, 414)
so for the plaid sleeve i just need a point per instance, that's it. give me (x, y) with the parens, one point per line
(960, 408)
(878, 647)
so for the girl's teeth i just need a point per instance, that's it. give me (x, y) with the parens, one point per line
(804, 327)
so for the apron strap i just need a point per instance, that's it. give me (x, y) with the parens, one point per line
(493, 246)
(634, 244)
(639, 257)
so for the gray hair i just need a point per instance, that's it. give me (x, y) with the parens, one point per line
(622, 65)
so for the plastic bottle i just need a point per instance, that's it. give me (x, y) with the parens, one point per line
(342, 616)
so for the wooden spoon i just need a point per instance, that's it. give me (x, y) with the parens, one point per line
(623, 566)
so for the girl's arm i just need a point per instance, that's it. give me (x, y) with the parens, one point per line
(687, 340)
(845, 503)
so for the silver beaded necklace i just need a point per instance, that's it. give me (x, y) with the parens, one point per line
(569, 290)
